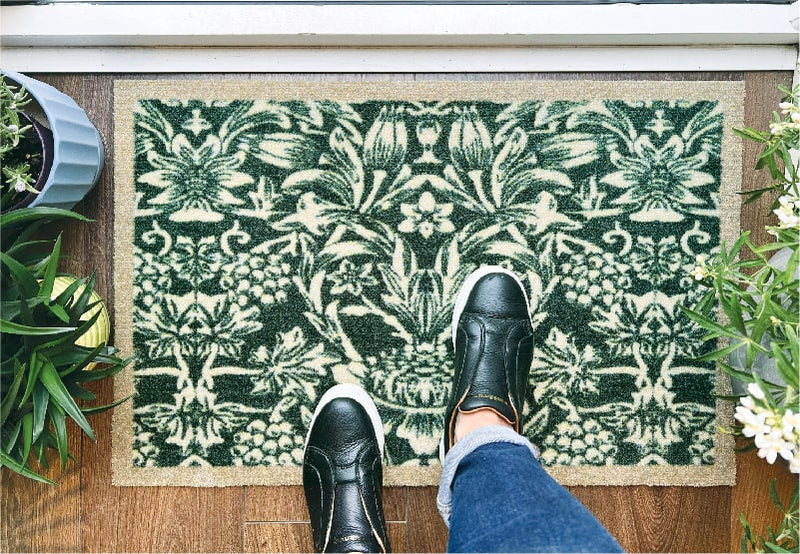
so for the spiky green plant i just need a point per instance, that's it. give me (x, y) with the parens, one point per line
(42, 369)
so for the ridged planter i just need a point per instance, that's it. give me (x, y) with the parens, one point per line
(78, 153)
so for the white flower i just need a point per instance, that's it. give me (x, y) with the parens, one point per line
(788, 213)
(754, 424)
(19, 185)
(786, 106)
(755, 391)
(794, 463)
(747, 402)
(771, 444)
(700, 270)
(791, 422)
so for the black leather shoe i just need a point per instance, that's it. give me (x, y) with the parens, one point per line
(342, 473)
(493, 342)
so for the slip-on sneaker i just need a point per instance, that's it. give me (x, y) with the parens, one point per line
(343, 475)
(493, 343)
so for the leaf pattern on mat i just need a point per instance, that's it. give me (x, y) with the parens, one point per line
(282, 247)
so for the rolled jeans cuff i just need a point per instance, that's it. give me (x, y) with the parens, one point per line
(480, 437)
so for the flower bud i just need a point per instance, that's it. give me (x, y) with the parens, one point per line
(470, 144)
(386, 142)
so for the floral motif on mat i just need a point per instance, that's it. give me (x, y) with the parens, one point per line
(284, 246)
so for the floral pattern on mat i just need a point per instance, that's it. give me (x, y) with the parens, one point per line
(281, 247)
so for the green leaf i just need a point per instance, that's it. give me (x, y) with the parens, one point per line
(20, 274)
(12, 464)
(100, 374)
(752, 134)
(67, 293)
(773, 494)
(787, 162)
(46, 287)
(41, 398)
(51, 380)
(26, 246)
(19, 329)
(744, 376)
(100, 409)
(78, 391)
(707, 323)
(775, 548)
(10, 309)
(41, 454)
(733, 310)
(753, 195)
(59, 312)
(34, 365)
(10, 395)
(12, 437)
(27, 435)
(83, 362)
(717, 354)
(743, 239)
(68, 341)
(60, 426)
(81, 305)
(31, 214)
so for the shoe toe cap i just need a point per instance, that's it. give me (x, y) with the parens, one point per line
(498, 294)
(341, 428)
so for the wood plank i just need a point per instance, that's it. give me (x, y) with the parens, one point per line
(397, 535)
(278, 537)
(288, 504)
(296, 537)
(751, 495)
(662, 519)
(42, 518)
(761, 98)
(425, 530)
(394, 503)
(274, 504)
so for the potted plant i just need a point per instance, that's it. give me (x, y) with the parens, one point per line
(50, 342)
(72, 166)
(759, 297)
(26, 149)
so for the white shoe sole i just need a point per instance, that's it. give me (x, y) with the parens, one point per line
(354, 392)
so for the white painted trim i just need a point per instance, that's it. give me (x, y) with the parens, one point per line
(398, 60)
(308, 25)
(398, 38)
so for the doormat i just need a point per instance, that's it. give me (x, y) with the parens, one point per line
(275, 238)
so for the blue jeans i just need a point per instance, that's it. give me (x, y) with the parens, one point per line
(496, 497)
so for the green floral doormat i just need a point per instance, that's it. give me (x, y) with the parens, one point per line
(273, 239)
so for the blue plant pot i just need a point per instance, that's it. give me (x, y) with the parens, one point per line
(78, 153)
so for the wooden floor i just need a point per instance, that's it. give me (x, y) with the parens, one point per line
(86, 513)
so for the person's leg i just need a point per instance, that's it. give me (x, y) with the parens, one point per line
(494, 494)
(504, 501)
